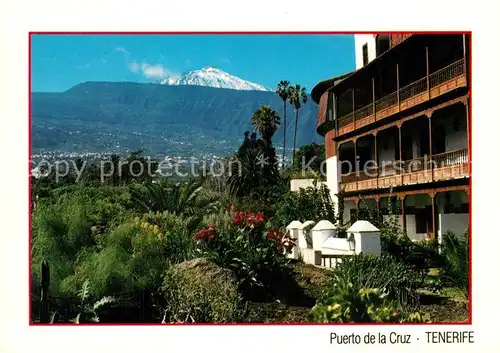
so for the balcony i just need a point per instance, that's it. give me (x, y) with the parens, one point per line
(436, 84)
(443, 166)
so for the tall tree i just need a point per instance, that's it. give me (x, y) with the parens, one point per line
(283, 91)
(297, 97)
(267, 121)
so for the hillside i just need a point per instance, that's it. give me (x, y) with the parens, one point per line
(106, 116)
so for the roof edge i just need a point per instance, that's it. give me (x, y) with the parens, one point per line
(323, 86)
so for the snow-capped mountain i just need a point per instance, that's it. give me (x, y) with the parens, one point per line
(212, 77)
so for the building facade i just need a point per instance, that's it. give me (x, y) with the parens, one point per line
(397, 131)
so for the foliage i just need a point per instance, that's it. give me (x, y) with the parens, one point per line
(283, 91)
(200, 291)
(243, 246)
(266, 121)
(399, 280)
(312, 155)
(89, 312)
(348, 301)
(250, 174)
(312, 203)
(296, 97)
(455, 252)
(181, 198)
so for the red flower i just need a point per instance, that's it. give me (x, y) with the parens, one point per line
(283, 241)
(238, 218)
(205, 234)
(249, 218)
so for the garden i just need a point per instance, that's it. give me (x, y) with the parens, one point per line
(213, 249)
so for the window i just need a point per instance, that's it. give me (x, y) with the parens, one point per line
(365, 54)
(381, 44)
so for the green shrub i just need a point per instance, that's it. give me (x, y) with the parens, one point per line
(241, 244)
(312, 203)
(200, 291)
(399, 280)
(348, 302)
(455, 252)
(422, 255)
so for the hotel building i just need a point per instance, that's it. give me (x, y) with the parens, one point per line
(398, 127)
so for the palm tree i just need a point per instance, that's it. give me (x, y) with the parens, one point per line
(283, 91)
(181, 199)
(297, 97)
(266, 121)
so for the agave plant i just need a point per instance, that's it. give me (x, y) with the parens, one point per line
(88, 311)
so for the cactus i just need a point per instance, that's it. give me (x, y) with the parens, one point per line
(44, 301)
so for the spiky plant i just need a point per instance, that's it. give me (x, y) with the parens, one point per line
(88, 312)
(455, 251)
(182, 198)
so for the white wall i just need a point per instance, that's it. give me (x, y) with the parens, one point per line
(333, 179)
(453, 222)
(296, 184)
(411, 229)
(348, 205)
(359, 41)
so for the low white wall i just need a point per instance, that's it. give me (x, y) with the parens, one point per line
(336, 246)
(453, 222)
(311, 256)
(296, 184)
(368, 243)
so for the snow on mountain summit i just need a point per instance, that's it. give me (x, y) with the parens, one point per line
(212, 77)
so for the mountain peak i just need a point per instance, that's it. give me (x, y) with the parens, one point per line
(210, 68)
(211, 76)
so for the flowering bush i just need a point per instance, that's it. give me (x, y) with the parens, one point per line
(248, 219)
(283, 240)
(242, 245)
(206, 234)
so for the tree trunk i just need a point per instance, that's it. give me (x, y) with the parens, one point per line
(295, 136)
(284, 134)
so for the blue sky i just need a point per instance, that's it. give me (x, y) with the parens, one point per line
(61, 61)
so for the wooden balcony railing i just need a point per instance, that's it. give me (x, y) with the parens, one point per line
(364, 112)
(451, 158)
(424, 169)
(346, 120)
(386, 101)
(406, 93)
(413, 89)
